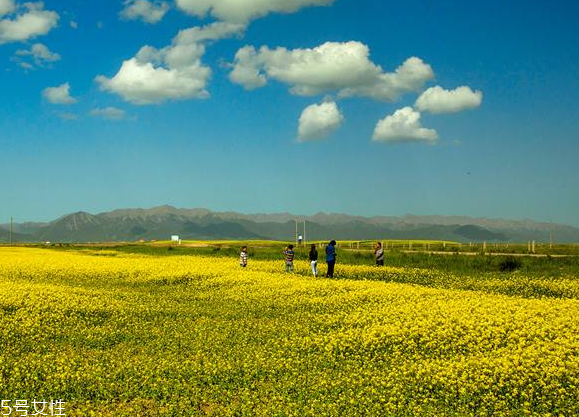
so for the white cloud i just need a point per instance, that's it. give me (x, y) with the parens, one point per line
(30, 21)
(144, 83)
(242, 11)
(247, 69)
(6, 7)
(344, 68)
(403, 126)
(175, 72)
(214, 31)
(408, 77)
(147, 11)
(318, 121)
(109, 113)
(40, 53)
(59, 95)
(438, 100)
(73, 24)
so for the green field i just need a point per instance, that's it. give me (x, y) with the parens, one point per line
(397, 254)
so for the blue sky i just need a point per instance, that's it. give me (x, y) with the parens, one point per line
(505, 146)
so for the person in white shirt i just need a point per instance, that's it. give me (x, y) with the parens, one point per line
(379, 254)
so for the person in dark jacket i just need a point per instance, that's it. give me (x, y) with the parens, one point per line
(314, 259)
(331, 258)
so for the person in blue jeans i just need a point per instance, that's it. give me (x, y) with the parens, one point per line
(331, 258)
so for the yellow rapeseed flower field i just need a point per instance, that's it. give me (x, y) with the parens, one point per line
(135, 335)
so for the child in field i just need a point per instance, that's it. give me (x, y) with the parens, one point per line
(289, 258)
(379, 254)
(314, 259)
(243, 257)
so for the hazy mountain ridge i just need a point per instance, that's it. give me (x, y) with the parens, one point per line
(159, 223)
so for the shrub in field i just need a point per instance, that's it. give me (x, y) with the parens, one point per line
(510, 264)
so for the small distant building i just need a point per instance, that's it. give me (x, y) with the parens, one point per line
(175, 238)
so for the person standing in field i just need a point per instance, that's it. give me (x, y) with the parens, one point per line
(379, 254)
(289, 258)
(243, 257)
(331, 258)
(314, 259)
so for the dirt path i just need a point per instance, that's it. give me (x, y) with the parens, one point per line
(531, 255)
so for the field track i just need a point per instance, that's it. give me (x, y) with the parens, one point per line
(524, 255)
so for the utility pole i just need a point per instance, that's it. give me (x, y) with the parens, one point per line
(304, 233)
(11, 226)
(296, 231)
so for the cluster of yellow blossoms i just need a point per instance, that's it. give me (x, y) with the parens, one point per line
(126, 335)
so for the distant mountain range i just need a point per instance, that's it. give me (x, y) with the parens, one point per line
(160, 223)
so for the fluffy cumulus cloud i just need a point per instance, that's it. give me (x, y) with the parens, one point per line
(6, 7)
(21, 23)
(318, 121)
(59, 95)
(142, 82)
(109, 113)
(147, 11)
(175, 72)
(40, 54)
(344, 68)
(438, 100)
(403, 126)
(242, 11)
(247, 70)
